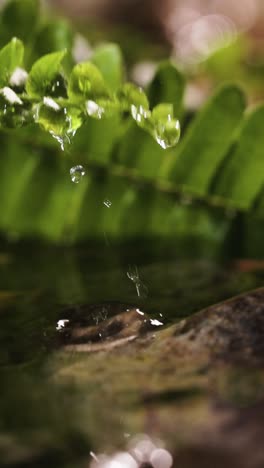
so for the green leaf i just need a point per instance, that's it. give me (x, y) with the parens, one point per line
(11, 57)
(140, 151)
(60, 121)
(166, 129)
(86, 82)
(242, 175)
(108, 59)
(96, 149)
(167, 86)
(122, 163)
(160, 123)
(20, 19)
(18, 165)
(54, 36)
(14, 113)
(133, 99)
(207, 141)
(42, 74)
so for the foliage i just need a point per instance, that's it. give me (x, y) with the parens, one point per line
(157, 190)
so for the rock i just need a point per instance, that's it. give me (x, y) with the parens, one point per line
(104, 326)
(197, 385)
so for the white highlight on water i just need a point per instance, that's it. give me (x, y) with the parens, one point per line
(94, 110)
(18, 77)
(10, 95)
(49, 102)
(139, 312)
(61, 324)
(156, 323)
(94, 456)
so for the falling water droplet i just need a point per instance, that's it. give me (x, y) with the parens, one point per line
(132, 273)
(167, 134)
(107, 203)
(142, 290)
(77, 173)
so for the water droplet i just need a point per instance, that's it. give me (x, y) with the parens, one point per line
(132, 273)
(156, 323)
(167, 134)
(142, 290)
(57, 87)
(13, 111)
(18, 77)
(49, 102)
(94, 110)
(107, 203)
(139, 312)
(139, 113)
(10, 96)
(58, 121)
(77, 173)
(64, 141)
(61, 324)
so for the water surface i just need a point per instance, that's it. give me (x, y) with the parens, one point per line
(42, 422)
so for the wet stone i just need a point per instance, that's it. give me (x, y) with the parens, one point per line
(197, 385)
(103, 326)
(230, 331)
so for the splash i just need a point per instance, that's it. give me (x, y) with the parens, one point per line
(133, 275)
